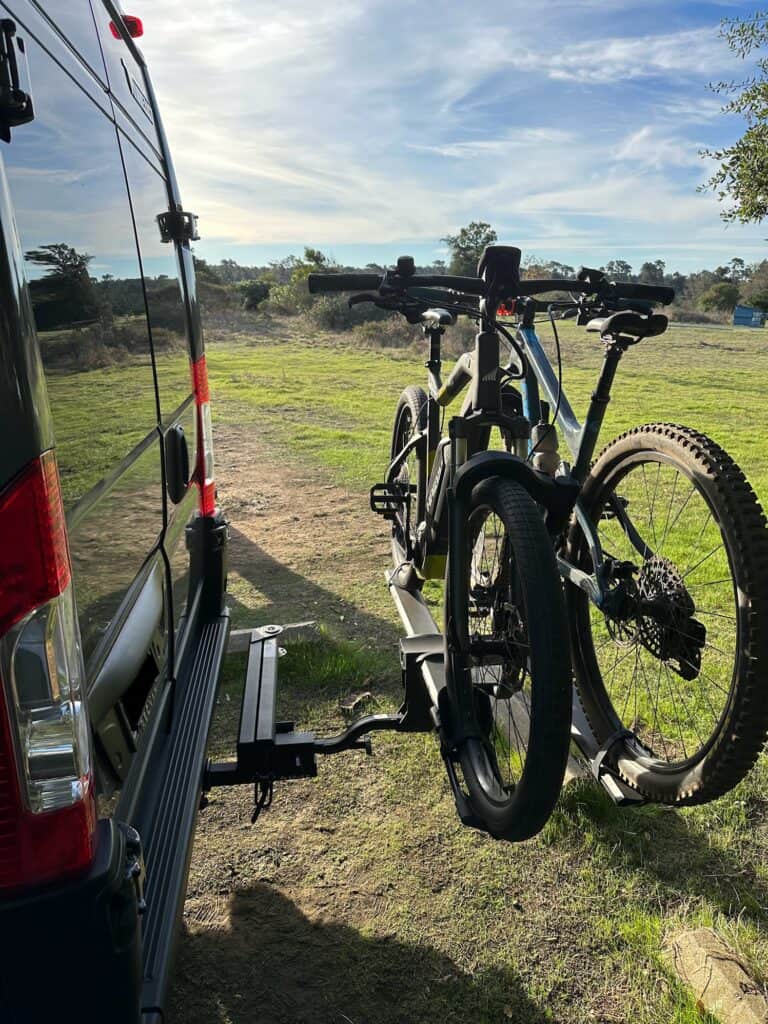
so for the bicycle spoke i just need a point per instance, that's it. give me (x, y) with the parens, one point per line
(653, 505)
(630, 690)
(656, 715)
(711, 583)
(677, 717)
(703, 560)
(669, 513)
(701, 535)
(683, 506)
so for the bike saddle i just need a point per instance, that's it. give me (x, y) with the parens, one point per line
(629, 324)
(438, 317)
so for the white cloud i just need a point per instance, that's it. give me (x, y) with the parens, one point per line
(360, 122)
(654, 146)
(601, 61)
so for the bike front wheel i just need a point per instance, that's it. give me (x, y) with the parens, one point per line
(510, 678)
(672, 675)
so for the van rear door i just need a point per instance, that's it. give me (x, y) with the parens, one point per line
(151, 184)
(68, 187)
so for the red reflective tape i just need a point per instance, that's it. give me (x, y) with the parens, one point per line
(207, 498)
(200, 381)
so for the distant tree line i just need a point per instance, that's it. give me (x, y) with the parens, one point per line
(280, 286)
(67, 294)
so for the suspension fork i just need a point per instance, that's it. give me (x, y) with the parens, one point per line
(455, 602)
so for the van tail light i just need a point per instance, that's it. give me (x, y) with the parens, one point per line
(204, 468)
(134, 25)
(47, 801)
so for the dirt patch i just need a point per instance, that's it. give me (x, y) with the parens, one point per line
(301, 545)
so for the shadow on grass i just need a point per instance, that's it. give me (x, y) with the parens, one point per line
(289, 596)
(269, 963)
(358, 654)
(665, 846)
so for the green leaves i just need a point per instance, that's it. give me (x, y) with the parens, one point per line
(741, 180)
(467, 246)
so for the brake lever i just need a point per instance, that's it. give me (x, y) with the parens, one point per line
(355, 300)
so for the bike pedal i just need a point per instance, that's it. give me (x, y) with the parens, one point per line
(388, 499)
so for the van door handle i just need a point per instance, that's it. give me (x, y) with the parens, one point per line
(15, 102)
(176, 463)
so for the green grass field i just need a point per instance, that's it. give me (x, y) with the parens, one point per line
(334, 403)
(610, 884)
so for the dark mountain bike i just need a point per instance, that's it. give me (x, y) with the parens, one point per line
(648, 570)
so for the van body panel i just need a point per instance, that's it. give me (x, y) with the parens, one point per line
(111, 544)
(173, 322)
(78, 239)
(99, 322)
(125, 656)
(26, 426)
(125, 73)
(74, 23)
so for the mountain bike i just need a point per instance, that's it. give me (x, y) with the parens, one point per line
(645, 573)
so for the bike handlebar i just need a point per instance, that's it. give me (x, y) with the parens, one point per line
(613, 289)
(476, 286)
(344, 282)
(647, 292)
(372, 282)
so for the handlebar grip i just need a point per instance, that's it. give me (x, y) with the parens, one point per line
(470, 285)
(343, 282)
(615, 289)
(649, 292)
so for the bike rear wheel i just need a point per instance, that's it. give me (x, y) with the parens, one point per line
(510, 677)
(410, 420)
(673, 676)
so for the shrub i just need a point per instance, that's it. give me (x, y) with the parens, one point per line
(252, 293)
(333, 313)
(391, 331)
(289, 299)
(721, 297)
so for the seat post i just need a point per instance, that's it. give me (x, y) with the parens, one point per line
(601, 396)
(435, 333)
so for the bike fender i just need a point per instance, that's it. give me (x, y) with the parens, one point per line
(557, 495)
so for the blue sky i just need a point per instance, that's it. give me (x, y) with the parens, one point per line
(371, 128)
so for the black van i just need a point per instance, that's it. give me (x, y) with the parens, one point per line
(112, 551)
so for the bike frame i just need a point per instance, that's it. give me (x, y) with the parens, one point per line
(540, 376)
(581, 440)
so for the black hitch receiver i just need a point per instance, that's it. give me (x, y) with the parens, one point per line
(268, 750)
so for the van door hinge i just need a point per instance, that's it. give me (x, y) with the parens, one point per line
(15, 101)
(177, 226)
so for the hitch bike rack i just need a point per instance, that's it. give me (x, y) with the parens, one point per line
(269, 750)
